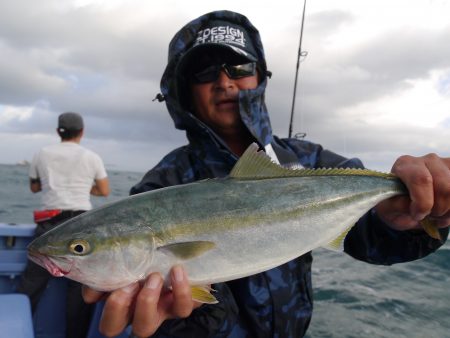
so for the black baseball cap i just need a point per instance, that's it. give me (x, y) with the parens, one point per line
(70, 121)
(219, 35)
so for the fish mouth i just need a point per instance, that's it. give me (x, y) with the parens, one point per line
(48, 264)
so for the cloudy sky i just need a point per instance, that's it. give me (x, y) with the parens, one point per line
(375, 83)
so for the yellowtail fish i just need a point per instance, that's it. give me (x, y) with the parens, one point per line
(260, 216)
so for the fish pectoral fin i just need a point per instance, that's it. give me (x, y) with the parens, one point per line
(188, 250)
(431, 228)
(202, 294)
(337, 244)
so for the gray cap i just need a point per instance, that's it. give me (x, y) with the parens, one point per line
(70, 121)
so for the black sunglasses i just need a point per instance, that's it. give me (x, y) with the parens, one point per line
(211, 73)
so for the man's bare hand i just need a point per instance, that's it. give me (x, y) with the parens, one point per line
(428, 181)
(145, 307)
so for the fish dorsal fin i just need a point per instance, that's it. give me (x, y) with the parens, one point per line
(255, 164)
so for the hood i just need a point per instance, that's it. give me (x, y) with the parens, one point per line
(251, 102)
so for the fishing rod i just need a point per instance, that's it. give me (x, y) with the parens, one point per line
(299, 55)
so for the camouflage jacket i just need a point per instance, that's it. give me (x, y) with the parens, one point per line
(278, 302)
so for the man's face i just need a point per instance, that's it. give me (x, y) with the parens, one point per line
(214, 93)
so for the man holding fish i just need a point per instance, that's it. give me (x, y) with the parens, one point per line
(214, 87)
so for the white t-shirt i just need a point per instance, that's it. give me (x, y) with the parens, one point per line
(67, 172)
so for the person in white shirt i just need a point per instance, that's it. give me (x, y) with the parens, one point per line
(67, 174)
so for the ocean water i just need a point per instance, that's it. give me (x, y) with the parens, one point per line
(17, 202)
(351, 298)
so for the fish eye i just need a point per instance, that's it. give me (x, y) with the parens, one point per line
(79, 247)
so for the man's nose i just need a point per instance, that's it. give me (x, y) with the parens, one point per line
(223, 81)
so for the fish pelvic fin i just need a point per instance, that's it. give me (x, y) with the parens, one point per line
(337, 244)
(254, 164)
(202, 294)
(188, 250)
(431, 228)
